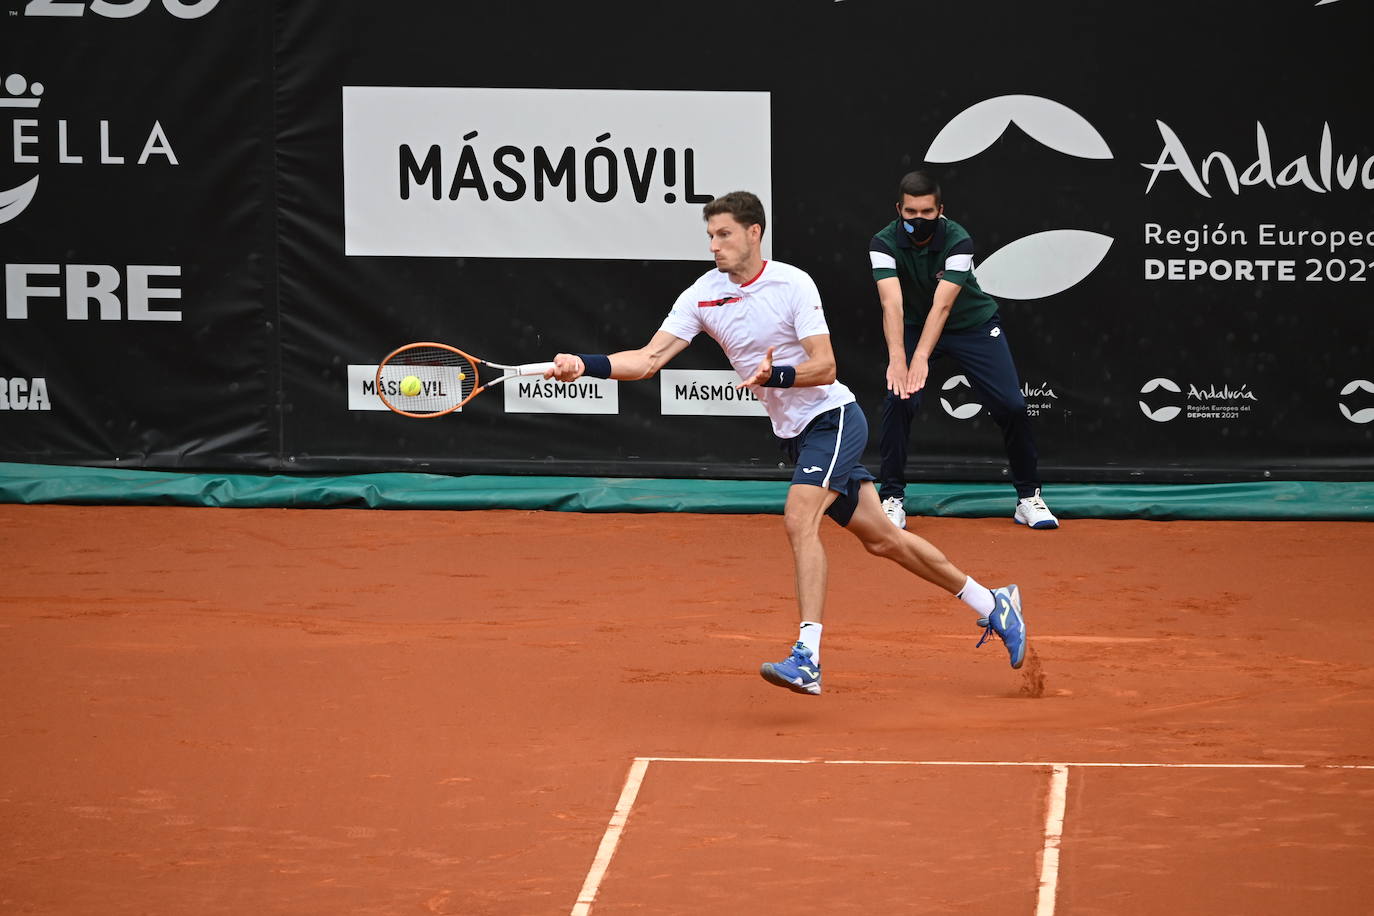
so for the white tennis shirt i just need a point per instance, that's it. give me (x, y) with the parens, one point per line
(776, 309)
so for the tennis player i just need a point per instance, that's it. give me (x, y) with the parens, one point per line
(768, 319)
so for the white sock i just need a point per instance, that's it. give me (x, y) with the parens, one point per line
(810, 636)
(977, 597)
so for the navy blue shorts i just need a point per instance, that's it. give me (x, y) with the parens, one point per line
(827, 454)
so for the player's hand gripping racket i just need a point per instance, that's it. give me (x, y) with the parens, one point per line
(426, 380)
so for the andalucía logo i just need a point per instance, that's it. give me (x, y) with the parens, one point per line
(1045, 263)
(65, 143)
(1168, 400)
(957, 388)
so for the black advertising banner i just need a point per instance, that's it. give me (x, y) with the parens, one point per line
(1172, 205)
(135, 224)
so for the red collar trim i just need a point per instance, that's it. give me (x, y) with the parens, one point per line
(757, 275)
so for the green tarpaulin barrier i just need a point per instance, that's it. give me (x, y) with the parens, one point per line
(33, 483)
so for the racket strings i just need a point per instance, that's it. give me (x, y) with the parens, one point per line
(446, 378)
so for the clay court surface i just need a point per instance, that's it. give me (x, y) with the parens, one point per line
(216, 711)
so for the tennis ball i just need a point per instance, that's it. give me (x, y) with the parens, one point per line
(410, 386)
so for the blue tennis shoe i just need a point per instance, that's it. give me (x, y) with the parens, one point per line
(1006, 621)
(796, 672)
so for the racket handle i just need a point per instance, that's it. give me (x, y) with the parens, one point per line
(532, 369)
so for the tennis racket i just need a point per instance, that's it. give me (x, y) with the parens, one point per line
(425, 380)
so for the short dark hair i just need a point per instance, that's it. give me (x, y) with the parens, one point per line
(918, 184)
(744, 206)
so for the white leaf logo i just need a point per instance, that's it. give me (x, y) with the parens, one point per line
(1164, 414)
(1051, 123)
(1358, 416)
(1042, 264)
(1046, 263)
(13, 201)
(964, 411)
(1157, 383)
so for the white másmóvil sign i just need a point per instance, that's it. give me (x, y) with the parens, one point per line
(545, 173)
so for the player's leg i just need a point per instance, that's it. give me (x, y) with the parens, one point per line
(801, 670)
(985, 356)
(908, 550)
(999, 609)
(856, 507)
(806, 505)
(814, 453)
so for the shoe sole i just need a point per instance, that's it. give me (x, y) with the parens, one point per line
(773, 677)
(1018, 660)
(1038, 526)
(1025, 641)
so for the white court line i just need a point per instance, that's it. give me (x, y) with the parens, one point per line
(1054, 817)
(611, 839)
(1016, 763)
(1054, 833)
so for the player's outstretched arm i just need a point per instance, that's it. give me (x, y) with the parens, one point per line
(627, 365)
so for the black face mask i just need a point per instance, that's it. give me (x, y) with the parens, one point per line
(921, 230)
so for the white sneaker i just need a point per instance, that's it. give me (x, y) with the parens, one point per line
(895, 511)
(1032, 511)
